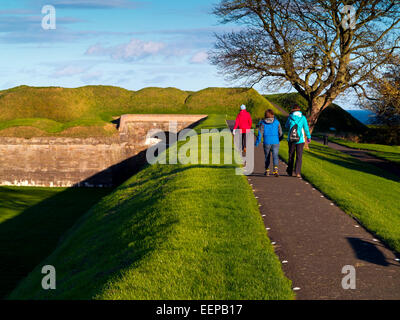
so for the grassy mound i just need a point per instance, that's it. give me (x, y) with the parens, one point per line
(332, 117)
(159, 100)
(360, 189)
(170, 232)
(55, 110)
(286, 100)
(61, 104)
(227, 101)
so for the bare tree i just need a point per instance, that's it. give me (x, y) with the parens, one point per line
(384, 96)
(321, 48)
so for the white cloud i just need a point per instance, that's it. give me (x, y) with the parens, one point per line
(157, 80)
(90, 4)
(199, 57)
(137, 49)
(68, 71)
(133, 50)
(91, 77)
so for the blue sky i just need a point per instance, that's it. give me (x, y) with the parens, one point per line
(131, 44)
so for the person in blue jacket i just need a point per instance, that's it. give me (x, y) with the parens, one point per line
(270, 129)
(296, 148)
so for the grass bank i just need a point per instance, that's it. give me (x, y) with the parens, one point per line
(389, 153)
(170, 232)
(32, 220)
(360, 189)
(90, 111)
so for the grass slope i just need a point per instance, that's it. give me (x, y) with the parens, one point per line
(228, 101)
(332, 117)
(389, 153)
(32, 220)
(170, 232)
(28, 111)
(360, 189)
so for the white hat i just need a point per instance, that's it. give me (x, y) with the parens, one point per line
(243, 107)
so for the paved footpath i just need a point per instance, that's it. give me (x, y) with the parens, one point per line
(364, 156)
(315, 240)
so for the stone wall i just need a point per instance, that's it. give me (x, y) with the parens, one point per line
(73, 162)
(134, 127)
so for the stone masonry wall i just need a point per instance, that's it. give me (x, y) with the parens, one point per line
(73, 162)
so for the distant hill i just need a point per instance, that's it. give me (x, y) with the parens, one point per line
(32, 111)
(332, 117)
(364, 116)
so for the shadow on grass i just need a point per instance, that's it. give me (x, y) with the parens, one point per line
(392, 157)
(387, 161)
(180, 169)
(350, 163)
(125, 236)
(28, 238)
(31, 236)
(110, 240)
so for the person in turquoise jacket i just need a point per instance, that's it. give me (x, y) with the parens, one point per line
(296, 149)
(270, 129)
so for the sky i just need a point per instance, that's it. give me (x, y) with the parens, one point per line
(125, 43)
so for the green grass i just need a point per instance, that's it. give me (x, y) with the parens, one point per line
(287, 100)
(28, 111)
(332, 117)
(228, 100)
(360, 189)
(32, 220)
(389, 153)
(170, 232)
(50, 126)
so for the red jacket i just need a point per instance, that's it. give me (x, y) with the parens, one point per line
(243, 122)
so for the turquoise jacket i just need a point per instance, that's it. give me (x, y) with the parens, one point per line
(301, 121)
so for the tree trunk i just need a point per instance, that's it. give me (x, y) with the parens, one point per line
(316, 109)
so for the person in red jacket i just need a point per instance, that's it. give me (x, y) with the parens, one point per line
(244, 124)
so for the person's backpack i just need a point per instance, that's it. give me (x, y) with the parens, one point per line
(294, 134)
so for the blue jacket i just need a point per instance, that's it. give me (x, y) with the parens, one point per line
(301, 121)
(270, 130)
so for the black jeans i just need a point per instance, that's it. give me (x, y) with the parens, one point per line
(244, 141)
(295, 150)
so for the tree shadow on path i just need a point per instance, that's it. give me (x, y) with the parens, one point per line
(369, 252)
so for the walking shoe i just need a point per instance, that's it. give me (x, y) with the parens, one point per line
(267, 173)
(290, 174)
(276, 172)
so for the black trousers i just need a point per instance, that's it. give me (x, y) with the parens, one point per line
(295, 151)
(244, 141)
